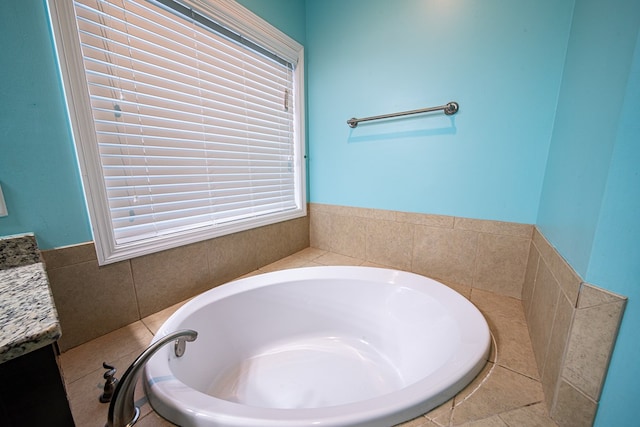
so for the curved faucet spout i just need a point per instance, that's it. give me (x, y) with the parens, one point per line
(122, 410)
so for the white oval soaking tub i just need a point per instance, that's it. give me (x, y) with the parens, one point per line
(318, 346)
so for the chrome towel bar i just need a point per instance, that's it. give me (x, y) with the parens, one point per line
(449, 109)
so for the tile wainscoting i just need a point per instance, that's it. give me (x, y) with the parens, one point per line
(572, 324)
(488, 255)
(94, 300)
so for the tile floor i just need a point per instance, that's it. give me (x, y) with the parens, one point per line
(506, 393)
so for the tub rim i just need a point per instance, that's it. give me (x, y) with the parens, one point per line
(408, 402)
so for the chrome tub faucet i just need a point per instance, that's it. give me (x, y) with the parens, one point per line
(122, 410)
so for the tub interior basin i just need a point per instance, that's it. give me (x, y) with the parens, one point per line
(309, 372)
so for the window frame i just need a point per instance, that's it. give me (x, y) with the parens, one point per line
(226, 13)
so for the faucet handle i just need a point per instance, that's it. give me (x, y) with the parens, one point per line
(110, 383)
(111, 371)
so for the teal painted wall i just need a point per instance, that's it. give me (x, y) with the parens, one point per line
(286, 15)
(500, 60)
(593, 88)
(590, 203)
(615, 258)
(38, 168)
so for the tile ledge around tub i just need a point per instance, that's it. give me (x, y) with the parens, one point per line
(592, 296)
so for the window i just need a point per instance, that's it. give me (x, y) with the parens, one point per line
(187, 118)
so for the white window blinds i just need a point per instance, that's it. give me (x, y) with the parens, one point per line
(194, 130)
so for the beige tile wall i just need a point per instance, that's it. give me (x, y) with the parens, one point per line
(573, 326)
(489, 255)
(93, 300)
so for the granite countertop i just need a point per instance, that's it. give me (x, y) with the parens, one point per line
(28, 317)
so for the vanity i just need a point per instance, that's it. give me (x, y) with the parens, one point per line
(32, 392)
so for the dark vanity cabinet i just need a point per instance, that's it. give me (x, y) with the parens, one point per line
(32, 392)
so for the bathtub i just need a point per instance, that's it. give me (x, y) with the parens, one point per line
(318, 346)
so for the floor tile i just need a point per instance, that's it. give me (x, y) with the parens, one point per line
(503, 390)
(418, 422)
(88, 357)
(154, 321)
(506, 319)
(310, 253)
(84, 394)
(529, 416)
(292, 261)
(494, 421)
(331, 258)
(442, 414)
